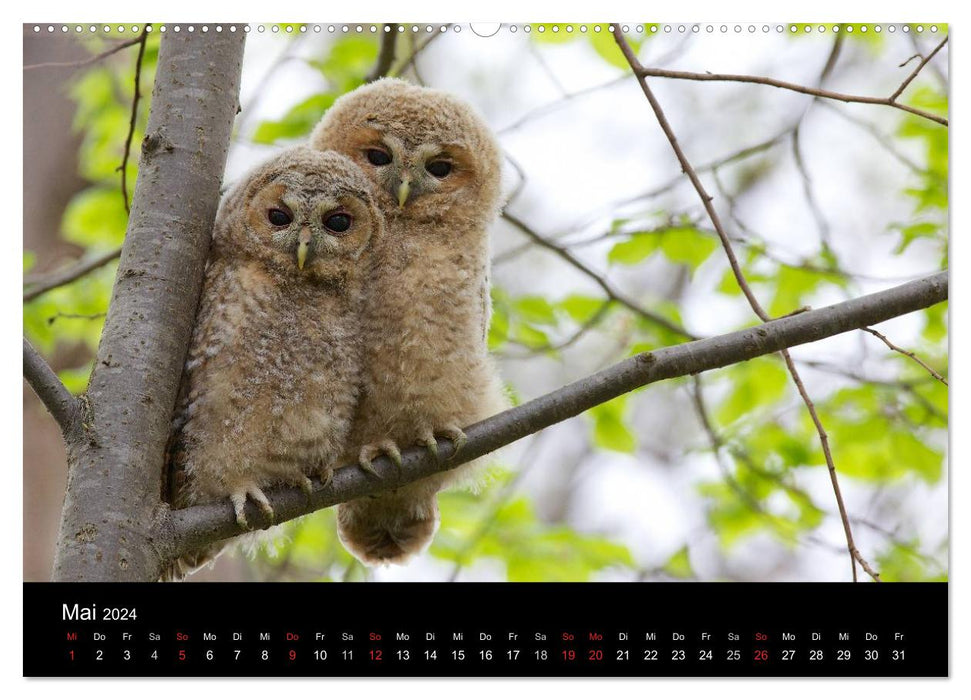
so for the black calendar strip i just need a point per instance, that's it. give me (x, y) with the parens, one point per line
(485, 630)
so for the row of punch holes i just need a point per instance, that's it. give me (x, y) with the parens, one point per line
(512, 28)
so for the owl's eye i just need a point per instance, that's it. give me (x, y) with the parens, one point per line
(439, 168)
(375, 156)
(338, 223)
(278, 217)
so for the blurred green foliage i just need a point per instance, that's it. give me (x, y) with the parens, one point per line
(882, 431)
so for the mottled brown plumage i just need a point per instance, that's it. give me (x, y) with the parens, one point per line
(436, 169)
(272, 376)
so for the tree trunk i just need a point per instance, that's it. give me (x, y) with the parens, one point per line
(113, 501)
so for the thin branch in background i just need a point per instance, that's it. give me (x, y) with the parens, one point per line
(557, 104)
(385, 54)
(833, 57)
(643, 72)
(916, 71)
(907, 353)
(51, 391)
(934, 68)
(134, 116)
(706, 199)
(86, 317)
(876, 134)
(520, 173)
(717, 442)
(44, 284)
(547, 71)
(807, 188)
(87, 61)
(260, 90)
(584, 328)
(607, 288)
(740, 154)
(417, 48)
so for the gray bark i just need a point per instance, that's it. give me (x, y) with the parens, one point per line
(112, 508)
(184, 530)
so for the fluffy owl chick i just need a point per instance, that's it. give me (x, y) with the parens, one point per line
(273, 370)
(436, 169)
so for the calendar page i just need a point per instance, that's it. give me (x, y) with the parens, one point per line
(606, 349)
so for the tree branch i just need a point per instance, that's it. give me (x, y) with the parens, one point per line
(607, 288)
(190, 528)
(643, 72)
(706, 201)
(86, 61)
(907, 353)
(385, 54)
(68, 275)
(918, 69)
(52, 393)
(113, 497)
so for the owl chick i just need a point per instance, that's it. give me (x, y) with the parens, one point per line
(436, 169)
(273, 370)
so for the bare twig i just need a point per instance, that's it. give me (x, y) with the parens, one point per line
(643, 72)
(706, 199)
(907, 353)
(607, 288)
(385, 54)
(807, 187)
(187, 529)
(875, 133)
(409, 61)
(85, 317)
(86, 61)
(52, 393)
(560, 102)
(68, 275)
(584, 328)
(918, 69)
(134, 116)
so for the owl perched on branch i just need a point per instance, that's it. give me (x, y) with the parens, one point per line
(272, 376)
(436, 170)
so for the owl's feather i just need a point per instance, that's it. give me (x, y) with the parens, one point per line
(272, 375)
(427, 371)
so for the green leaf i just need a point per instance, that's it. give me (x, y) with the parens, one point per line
(635, 249)
(535, 309)
(681, 245)
(755, 384)
(605, 45)
(678, 564)
(553, 33)
(687, 246)
(96, 218)
(935, 323)
(794, 285)
(298, 122)
(581, 308)
(610, 432)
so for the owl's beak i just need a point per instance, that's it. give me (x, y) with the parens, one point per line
(303, 247)
(404, 189)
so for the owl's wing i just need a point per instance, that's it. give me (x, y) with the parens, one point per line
(205, 344)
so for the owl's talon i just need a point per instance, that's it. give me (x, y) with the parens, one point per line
(326, 475)
(457, 436)
(307, 486)
(430, 443)
(239, 505)
(365, 465)
(369, 452)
